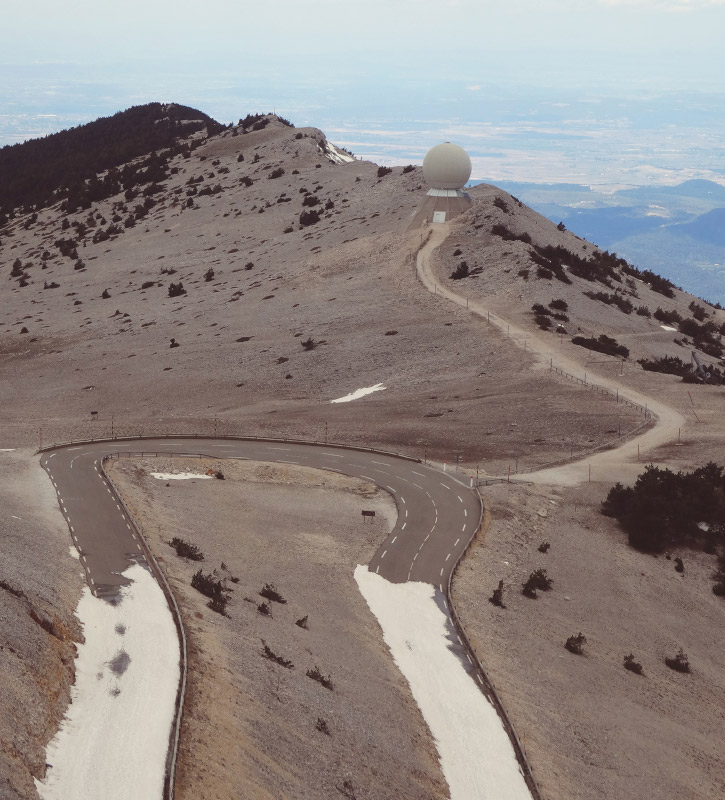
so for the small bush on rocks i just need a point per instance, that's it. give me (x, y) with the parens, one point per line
(186, 549)
(272, 656)
(575, 644)
(497, 597)
(632, 665)
(316, 675)
(269, 591)
(680, 662)
(537, 580)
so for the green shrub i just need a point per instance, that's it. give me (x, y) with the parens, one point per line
(316, 675)
(664, 509)
(269, 591)
(460, 272)
(575, 644)
(604, 344)
(632, 665)
(537, 580)
(186, 550)
(272, 656)
(497, 596)
(680, 662)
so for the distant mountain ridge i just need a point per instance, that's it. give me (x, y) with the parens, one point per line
(677, 231)
(34, 172)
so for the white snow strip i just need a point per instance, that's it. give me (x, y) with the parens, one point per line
(178, 476)
(667, 328)
(113, 741)
(358, 393)
(476, 755)
(336, 155)
(74, 552)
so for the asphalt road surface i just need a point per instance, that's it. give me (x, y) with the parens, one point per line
(437, 513)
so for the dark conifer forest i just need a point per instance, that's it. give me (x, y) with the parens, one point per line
(64, 165)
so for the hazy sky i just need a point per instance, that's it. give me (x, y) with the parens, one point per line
(650, 42)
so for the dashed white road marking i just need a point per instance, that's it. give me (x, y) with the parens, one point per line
(393, 540)
(390, 489)
(445, 484)
(415, 556)
(406, 512)
(383, 555)
(382, 463)
(456, 544)
(368, 478)
(463, 529)
(465, 512)
(402, 499)
(404, 524)
(420, 474)
(73, 448)
(377, 570)
(51, 456)
(448, 556)
(441, 571)
(460, 498)
(417, 486)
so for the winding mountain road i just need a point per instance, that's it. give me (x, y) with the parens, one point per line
(437, 515)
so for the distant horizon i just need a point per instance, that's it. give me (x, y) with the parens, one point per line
(523, 133)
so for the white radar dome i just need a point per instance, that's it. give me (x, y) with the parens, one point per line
(446, 166)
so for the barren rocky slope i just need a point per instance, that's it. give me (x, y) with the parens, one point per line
(255, 727)
(87, 324)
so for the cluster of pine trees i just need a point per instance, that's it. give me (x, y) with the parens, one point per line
(64, 165)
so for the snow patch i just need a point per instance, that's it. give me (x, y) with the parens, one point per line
(178, 476)
(336, 155)
(358, 393)
(114, 738)
(74, 553)
(667, 328)
(476, 755)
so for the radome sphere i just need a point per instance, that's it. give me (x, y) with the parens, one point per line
(446, 166)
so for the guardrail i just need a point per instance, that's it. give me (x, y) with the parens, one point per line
(228, 437)
(519, 750)
(173, 751)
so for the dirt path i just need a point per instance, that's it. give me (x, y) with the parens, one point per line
(619, 463)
